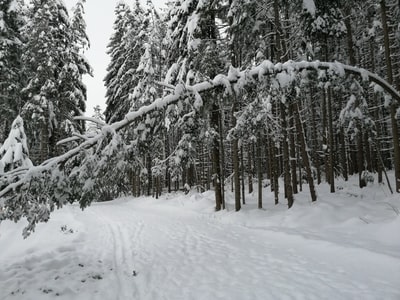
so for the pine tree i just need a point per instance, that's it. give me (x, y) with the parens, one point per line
(194, 55)
(391, 76)
(75, 67)
(14, 152)
(135, 50)
(148, 71)
(54, 66)
(11, 75)
(116, 108)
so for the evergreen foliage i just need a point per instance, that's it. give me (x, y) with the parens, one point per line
(11, 78)
(14, 152)
(214, 93)
(54, 65)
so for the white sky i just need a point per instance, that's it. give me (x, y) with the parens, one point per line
(99, 16)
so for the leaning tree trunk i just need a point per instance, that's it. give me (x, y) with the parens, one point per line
(304, 153)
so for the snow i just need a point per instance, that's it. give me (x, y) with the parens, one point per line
(223, 80)
(309, 6)
(18, 154)
(14, 6)
(284, 79)
(12, 151)
(192, 24)
(344, 246)
(246, 77)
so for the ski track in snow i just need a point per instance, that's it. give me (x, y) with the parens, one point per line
(223, 259)
(180, 254)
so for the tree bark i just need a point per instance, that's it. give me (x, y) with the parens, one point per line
(350, 44)
(259, 170)
(216, 166)
(331, 143)
(250, 168)
(235, 159)
(221, 156)
(304, 153)
(343, 155)
(292, 150)
(360, 158)
(287, 177)
(275, 175)
(242, 176)
(393, 108)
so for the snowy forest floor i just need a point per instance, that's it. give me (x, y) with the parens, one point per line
(344, 246)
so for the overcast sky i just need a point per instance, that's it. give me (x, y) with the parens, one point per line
(99, 20)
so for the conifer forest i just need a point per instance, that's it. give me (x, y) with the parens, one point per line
(223, 95)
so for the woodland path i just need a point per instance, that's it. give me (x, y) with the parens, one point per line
(148, 249)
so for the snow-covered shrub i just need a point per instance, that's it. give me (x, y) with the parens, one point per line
(367, 178)
(14, 152)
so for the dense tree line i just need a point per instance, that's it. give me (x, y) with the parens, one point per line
(42, 66)
(314, 128)
(232, 95)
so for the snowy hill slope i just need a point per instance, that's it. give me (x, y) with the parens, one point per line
(345, 246)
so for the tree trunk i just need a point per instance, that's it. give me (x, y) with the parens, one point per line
(350, 44)
(324, 136)
(304, 153)
(216, 166)
(287, 177)
(292, 150)
(242, 175)
(360, 158)
(250, 168)
(315, 139)
(222, 157)
(331, 143)
(275, 175)
(149, 175)
(44, 140)
(235, 159)
(259, 170)
(343, 156)
(393, 109)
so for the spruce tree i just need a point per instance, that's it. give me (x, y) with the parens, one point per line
(115, 109)
(11, 75)
(194, 55)
(54, 66)
(14, 152)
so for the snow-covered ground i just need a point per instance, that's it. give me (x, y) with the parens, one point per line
(345, 246)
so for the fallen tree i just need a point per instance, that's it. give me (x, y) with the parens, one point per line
(20, 189)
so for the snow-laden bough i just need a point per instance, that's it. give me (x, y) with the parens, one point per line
(16, 185)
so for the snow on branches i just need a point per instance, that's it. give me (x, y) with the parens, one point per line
(14, 152)
(22, 194)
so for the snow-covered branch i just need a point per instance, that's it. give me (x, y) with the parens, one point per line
(236, 79)
(90, 119)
